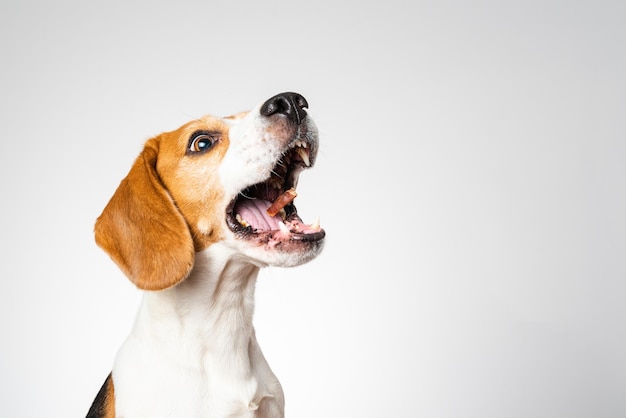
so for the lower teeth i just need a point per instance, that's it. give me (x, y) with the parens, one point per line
(242, 221)
(283, 228)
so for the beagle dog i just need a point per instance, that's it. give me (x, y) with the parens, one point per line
(191, 225)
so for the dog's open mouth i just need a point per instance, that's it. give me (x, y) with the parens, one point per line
(265, 211)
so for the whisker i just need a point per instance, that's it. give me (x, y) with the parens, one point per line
(196, 118)
(247, 197)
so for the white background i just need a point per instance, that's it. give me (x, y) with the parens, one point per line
(471, 180)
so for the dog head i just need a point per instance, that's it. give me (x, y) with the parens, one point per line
(213, 180)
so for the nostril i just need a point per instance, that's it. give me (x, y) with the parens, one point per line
(291, 105)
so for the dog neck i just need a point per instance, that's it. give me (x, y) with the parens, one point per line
(214, 306)
(200, 332)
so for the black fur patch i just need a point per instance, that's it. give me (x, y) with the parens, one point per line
(99, 405)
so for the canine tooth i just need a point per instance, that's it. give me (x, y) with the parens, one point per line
(283, 228)
(316, 224)
(304, 155)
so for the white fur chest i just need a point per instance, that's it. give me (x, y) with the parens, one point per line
(193, 352)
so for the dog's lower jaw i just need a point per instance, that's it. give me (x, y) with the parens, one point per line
(193, 350)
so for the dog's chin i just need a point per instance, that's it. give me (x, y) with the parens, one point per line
(283, 253)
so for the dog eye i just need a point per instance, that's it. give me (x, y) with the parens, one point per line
(201, 142)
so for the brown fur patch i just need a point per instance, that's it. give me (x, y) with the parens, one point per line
(192, 180)
(166, 208)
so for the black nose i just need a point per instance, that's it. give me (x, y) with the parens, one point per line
(289, 104)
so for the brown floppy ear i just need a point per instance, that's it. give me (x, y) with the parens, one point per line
(142, 230)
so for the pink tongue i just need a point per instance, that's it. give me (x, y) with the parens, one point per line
(254, 211)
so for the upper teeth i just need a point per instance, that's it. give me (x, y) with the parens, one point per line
(301, 148)
(304, 155)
